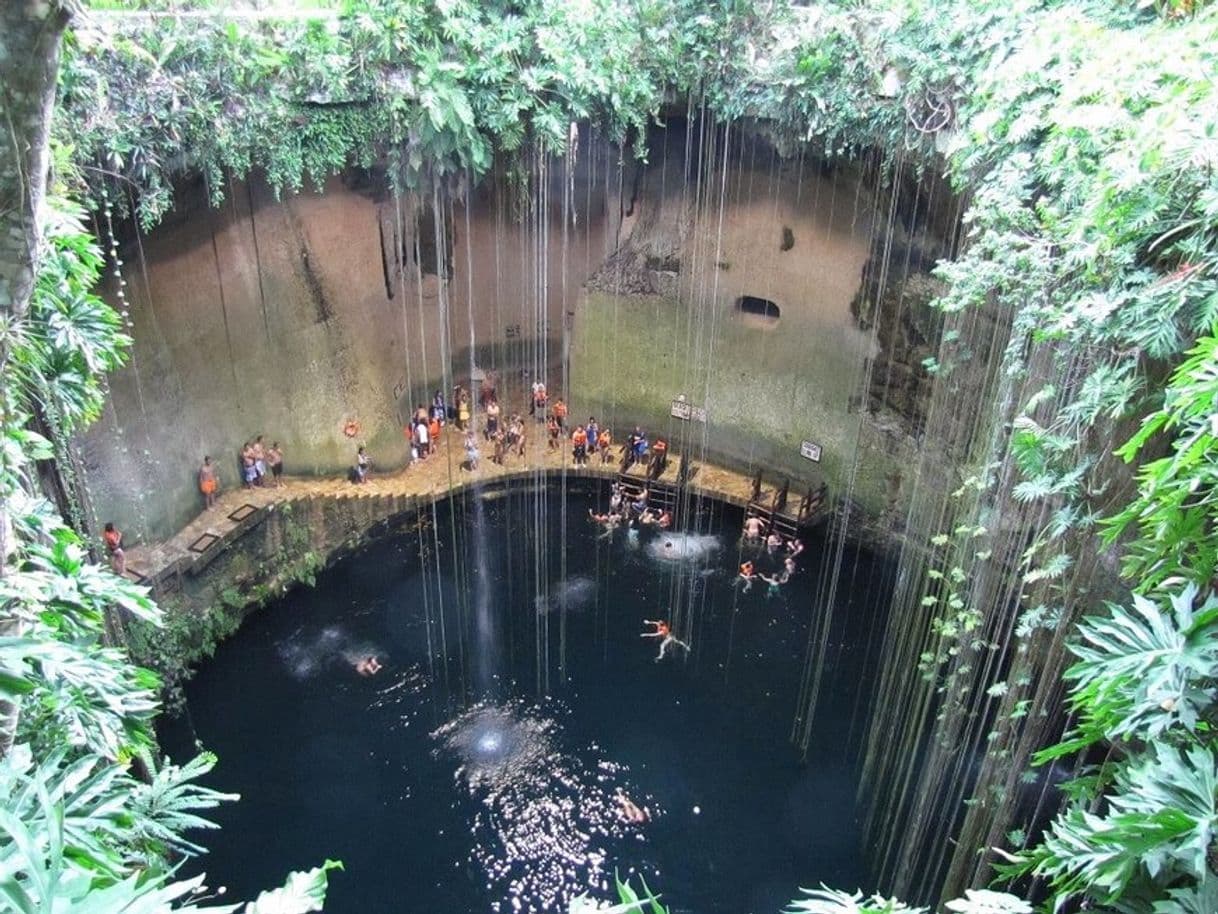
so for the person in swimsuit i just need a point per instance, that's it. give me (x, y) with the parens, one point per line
(208, 483)
(663, 631)
(249, 472)
(630, 811)
(274, 459)
(492, 419)
(753, 528)
(259, 451)
(579, 446)
(368, 666)
(747, 575)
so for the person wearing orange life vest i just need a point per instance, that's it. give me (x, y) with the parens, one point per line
(579, 445)
(747, 575)
(604, 441)
(659, 458)
(663, 631)
(114, 545)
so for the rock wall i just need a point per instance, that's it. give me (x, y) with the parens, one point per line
(289, 318)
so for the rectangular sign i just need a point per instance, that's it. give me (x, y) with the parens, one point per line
(683, 409)
(810, 450)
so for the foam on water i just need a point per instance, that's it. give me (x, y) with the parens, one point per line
(683, 547)
(572, 594)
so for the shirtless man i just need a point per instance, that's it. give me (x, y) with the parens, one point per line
(274, 460)
(663, 631)
(773, 541)
(492, 419)
(753, 528)
(208, 482)
(368, 666)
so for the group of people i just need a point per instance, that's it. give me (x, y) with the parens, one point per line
(758, 532)
(653, 457)
(257, 463)
(257, 460)
(631, 511)
(590, 439)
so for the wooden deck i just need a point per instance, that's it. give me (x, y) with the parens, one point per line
(443, 473)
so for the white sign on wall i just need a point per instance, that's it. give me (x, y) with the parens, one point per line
(683, 409)
(810, 450)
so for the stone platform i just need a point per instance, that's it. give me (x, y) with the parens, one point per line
(238, 510)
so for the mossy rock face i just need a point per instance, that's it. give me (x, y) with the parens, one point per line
(765, 391)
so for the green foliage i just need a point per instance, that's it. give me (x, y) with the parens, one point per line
(834, 901)
(431, 90)
(1175, 512)
(78, 833)
(1142, 826)
(1156, 832)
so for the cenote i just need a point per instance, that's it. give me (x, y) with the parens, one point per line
(480, 769)
(324, 326)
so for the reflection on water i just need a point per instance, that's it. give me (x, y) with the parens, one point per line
(545, 816)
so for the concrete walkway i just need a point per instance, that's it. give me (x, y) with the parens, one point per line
(237, 510)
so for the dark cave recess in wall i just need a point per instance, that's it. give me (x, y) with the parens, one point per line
(760, 311)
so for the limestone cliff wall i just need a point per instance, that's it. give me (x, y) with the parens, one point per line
(288, 318)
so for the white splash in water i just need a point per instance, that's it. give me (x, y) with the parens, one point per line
(573, 594)
(683, 547)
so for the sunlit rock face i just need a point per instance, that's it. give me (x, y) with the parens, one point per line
(293, 317)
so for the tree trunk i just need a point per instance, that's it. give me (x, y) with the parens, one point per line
(30, 32)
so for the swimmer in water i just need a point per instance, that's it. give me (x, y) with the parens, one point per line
(753, 528)
(795, 547)
(630, 811)
(368, 666)
(775, 583)
(773, 541)
(665, 520)
(746, 575)
(663, 631)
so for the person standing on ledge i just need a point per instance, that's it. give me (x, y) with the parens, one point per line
(274, 460)
(208, 483)
(114, 545)
(362, 464)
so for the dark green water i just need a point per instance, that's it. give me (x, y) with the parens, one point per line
(448, 782)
